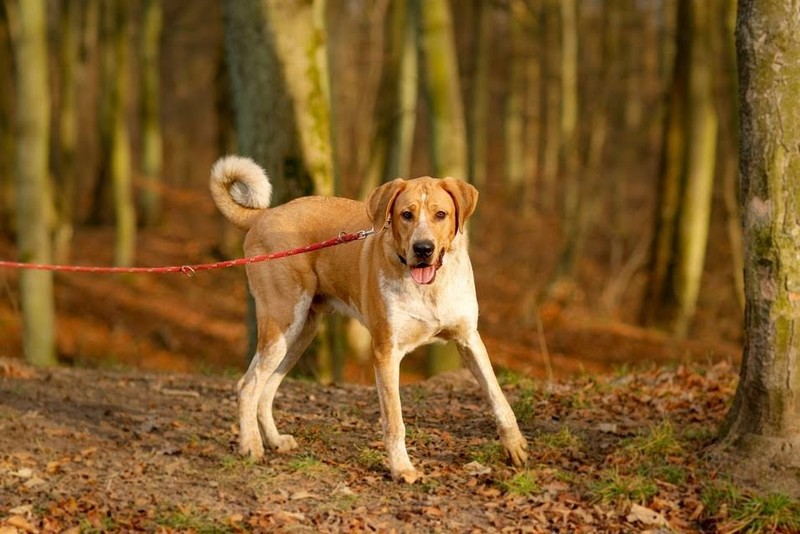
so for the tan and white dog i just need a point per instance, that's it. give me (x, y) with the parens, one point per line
(410, 284)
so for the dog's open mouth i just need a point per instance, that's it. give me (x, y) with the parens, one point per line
(423, 273)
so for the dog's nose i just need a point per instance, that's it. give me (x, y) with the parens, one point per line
(423, 249)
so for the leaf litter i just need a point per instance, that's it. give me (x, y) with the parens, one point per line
(98, 450)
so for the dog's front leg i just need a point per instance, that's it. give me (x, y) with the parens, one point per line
(387, 378)
(473, 351)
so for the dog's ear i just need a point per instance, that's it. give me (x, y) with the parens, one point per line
(465, 197)
(381, 201)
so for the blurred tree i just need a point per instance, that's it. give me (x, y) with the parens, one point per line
(550, 138)
(115, 150)
(514, 112)
(478, 111)
(448, 142)
(149, 101)
(28, 21)
(67, 139)
(396, 103)
(763, 424)
(7, 223)
(687, 176)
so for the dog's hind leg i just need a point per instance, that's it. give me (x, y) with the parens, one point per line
(266, 421)
(275, 340)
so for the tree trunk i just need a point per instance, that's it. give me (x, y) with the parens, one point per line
(150, 193)
(764, 421)
(695, 217)
(687, 179)
(118, 157)
(442, 89)
(550, 138)
(514, 116)
(447, 131)
(7, 209)
(300, 36)
(396, 102)
(68, 58)
(34, 205)
(478, 116)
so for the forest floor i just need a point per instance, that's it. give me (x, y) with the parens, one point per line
(93, 450)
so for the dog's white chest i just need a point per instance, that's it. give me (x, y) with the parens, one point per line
(421, 314)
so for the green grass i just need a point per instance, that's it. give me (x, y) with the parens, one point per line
(523, 483)
(659, 442)
(523, 406)
(190, 521)
(750, 512)
(488, 453)
(305, 462)
(370, 458)
(614, 487)
(563, 439)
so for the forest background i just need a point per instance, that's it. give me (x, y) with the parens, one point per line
(602, 136)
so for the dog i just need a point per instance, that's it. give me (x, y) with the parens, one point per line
(410, 283)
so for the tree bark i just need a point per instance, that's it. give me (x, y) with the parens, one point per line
(550, 139)
(514, 116)
(34, 204)
(764, 421)
(150, 192)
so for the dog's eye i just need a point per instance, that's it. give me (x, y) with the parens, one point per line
(407, 215)
(441, 215)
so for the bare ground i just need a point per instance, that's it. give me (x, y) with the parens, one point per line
(98, 450)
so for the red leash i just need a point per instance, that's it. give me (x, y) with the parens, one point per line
(190, 270)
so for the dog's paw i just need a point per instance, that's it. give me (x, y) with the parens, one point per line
(409, 476)
(252, 449)
(285, 443)
(517, 451)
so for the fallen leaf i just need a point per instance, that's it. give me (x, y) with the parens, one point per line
(477, 468)
(645, 515)
(21, 523)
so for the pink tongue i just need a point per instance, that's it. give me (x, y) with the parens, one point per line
(423, 275)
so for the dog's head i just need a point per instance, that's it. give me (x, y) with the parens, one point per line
(425, 216)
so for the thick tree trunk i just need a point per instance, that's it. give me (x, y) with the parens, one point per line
(300, 37)
(150, 195)
(34, 205)
(764, 421)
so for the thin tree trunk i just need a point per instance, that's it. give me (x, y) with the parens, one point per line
(514, 116)
(550, 140)
(7, 210)
(117, 157)
(478, 116)
(150, 193)
(447, 130)
(669, 187)
(34, 205)
(396, 102)
(763, 424)
(68, 58)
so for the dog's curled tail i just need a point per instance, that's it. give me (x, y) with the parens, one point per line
(240, 188)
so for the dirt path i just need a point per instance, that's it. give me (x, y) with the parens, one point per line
(119, 451)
